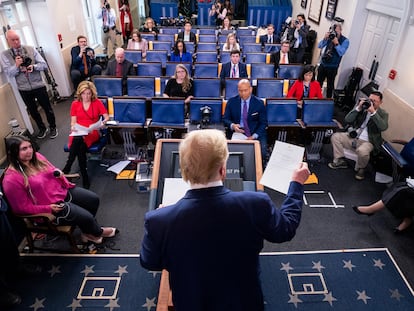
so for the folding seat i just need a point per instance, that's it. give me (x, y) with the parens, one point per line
(166, 37)
(245, 32)
(148, 36)
(130, 111)
(141, 86)
(262, 70)
(403, 161)
(206, 31)
(190, 47)
(289, 71)
(231, 87)
(246, 39)
(108, 85)
(272, 47)
(162, 46)
(251, 48)
(157, 56)
(207, 38)
(207, 87)
(221, 39)
(224, 57)
(170, 68)
(215, 105)
(168, 30)
(133, 56)
(207, 47)
(149, 69)
(168, 114)
(205, 70)
(281, 118)
(255, 58)
(206, 57)
(267, 88)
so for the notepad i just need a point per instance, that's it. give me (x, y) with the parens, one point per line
(126, 174)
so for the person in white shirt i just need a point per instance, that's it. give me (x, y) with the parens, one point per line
(284, 56)
(231, 43)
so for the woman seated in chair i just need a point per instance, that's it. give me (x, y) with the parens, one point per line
(149, 26)
(180, 85)
(138, 43)
(33, 185)
(180, 53)
(305, 87)
(87, 109)
(231, 43)
(398, 199)
(226, 25)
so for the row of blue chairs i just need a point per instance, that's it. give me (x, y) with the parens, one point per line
(212, 69)
(203, 87)
(169, 112)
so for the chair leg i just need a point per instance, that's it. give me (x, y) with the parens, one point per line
(30, 242)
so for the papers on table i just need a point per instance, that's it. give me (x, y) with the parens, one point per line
(174, 190)
(284, 160)
(238, 136)
(118, 167)
(80, 130)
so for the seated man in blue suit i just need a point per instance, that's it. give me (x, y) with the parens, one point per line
(270, 37)
(210, 240)
(249, 119)
(234, 68)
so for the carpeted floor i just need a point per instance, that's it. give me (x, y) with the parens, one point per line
(330, 280)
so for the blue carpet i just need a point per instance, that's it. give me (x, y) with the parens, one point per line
(329, 280)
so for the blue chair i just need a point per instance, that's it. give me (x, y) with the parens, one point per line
(262, 70)
(141, 86)
(255, 58)
(170, 68)
(245, 32)
(163, 83)
(281, 118)
(149, 69)
(206, 31)
(208, 87)
(231, 87)
(167, 113)
(246, 39)
(207, 38)
(104, 100)
(130, 111)
(267, 88)
(221, 39)
(190, 47)
(162, 46)
(289, 71)
(148, 36)
(108, 85)
(133, 56)
(318, 113)
(169, 30)
(96, 149)
(207, 47)
(403, 161)
(224, 57)
(157, 56)
(166, 37)
(216, 108)
(205, 70)
(251, 48)
(206, 57)
(272, 47)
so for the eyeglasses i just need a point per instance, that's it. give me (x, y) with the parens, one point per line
(180, 71)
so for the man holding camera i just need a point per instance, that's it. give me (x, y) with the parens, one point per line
(368, 120)
(109, 30)
(24, 63)
(334, 46)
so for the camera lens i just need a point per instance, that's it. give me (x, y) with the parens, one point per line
(366, 104)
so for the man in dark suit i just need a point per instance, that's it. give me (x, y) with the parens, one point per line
(234, 68)
(120, 67)
(187, 35)
(83, 65)
(210, 240)
(270, 37)
(284, 56)
(250, 120)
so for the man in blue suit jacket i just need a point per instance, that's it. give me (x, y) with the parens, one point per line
(210, 240)
(227, 70)
(256, 116)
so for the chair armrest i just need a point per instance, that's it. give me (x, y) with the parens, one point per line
(399, 141)
(45, 216)
(394, 154)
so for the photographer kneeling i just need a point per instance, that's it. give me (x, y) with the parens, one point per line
(368, 120)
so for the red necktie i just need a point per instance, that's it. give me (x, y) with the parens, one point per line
(85, 64)
(118, 71)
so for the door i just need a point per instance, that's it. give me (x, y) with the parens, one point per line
(377, 44)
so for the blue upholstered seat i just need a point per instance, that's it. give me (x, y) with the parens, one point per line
(207, 87)
(231, 87)
(170, 68)
(108, 85)
(141, 86)
(225, 57)
(157, 56)
(246, 39)
(289, 71)
(167, 113)
(216, 108)
(207, 47)
(271, 47)
(251, 48)
(130, 111)
(206, 57)
(134, 56)
(245, 32)
(267, 88)
(255, 58)
(318, 113)
(281, 112)
(262, 70)
(206, 31)
(205, 70)
(161, 46)
(207, 38)
(149, 69)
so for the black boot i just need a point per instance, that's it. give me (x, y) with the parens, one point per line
(85, 180)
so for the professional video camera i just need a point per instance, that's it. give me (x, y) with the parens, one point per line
(206, 113)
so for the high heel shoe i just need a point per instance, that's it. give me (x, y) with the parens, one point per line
(91, 238)
(356, 210)
(112, 233)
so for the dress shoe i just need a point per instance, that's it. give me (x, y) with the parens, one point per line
(90, 238)
(112, 233)
(356, 210)
(9, 300)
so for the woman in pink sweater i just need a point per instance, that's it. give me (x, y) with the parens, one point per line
(33, 185)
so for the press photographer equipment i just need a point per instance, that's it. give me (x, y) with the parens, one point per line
(206, 113)
(55, 96)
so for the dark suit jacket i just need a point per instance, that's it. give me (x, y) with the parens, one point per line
(77, 61)
(210, 240)
(275, 59)
(225, 71)
(192, 36)
(127, 70)
(263, 39)
(256, 118)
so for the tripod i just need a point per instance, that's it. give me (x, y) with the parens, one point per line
(50, 79)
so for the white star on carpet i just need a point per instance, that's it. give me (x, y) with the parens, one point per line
(363, 296)
(154, 273)
(88, 269)
(38, 304)
(75, 304)
(348, 265)
(329, 298)
(121, 270)
(54, 270)
(318, 266)
(378, 263)
(149, 303)
(396, 294)
(113, 303)
(286, 267)
(294, 299)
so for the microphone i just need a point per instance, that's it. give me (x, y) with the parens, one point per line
(57, 173)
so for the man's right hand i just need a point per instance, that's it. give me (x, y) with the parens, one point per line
(301, 174)
(18, 60)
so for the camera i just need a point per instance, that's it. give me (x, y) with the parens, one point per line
(352, 132)
(27, 61)
(366, 103)
(296, 22)
(332, 33)
(206, 113)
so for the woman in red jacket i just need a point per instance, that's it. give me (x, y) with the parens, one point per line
(305, 87)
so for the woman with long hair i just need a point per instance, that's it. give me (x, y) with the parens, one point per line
(127, 25)
(180, 53)
(86, 109)
(33, 185)
(231, 43)
(138, 43)
(180, 85)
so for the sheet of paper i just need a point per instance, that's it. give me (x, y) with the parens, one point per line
(238, 136)
(118, 167)
(174, 189)
(284, 160)
(80, 130)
